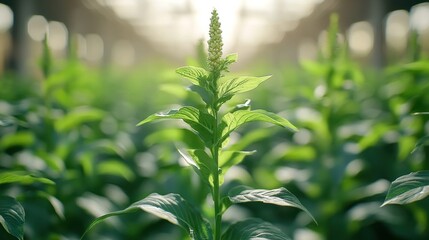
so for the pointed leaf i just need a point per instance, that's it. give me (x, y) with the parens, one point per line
(115, 168)
(232, 121)
(22, 178)
(12, 216)
(253, 228)
(202, 163)
(408, 188)
(171, 207)
(206, 96)
(421, 142)
(231, 58)
(21, 138)
(227, 159)
(78, 117)
(200, 121)
(186, 136)
(229, 86)
(194, 74)
(279, 196)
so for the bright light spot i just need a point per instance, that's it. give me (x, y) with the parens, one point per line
(306, 234)
(123, 53)
(57, 35)
(37, 27)
(237, 173)
(175, 26)
(354, 167)
(397, 28)
(287, 174)
(302, 137)
(307, 50)
(126, 9)
(95, 47)
(419, 19)
(361, 38)
(6, 18)
(320, 91)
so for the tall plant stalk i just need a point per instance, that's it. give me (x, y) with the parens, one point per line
(212, 127)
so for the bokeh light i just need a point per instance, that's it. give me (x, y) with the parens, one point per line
(397, 29)
(361, 38)
(37, 27)
(57, 35)
(6, 18)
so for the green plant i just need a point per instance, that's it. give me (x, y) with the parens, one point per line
(212, 156)
(413, 186)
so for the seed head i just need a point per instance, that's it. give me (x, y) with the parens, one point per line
(215, 43)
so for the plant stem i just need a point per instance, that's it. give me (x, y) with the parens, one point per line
(216, 187)
(216, 199)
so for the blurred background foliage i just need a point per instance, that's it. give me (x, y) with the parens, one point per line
(351, 84)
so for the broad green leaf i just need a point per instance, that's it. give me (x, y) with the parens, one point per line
(22, 138)
(206, 96)
(227, 159)
(171, 207)
(252, 137)
(175, 135)
(12, 216)
(194, 74)
(254, 229)
(229, 86)
(22, 178)
(315, 68)
(200, 121)
(408, 188)
(78, 117)
(279, 196)
(419, 66)
(232, 121)
(202, 163)
(116, 168)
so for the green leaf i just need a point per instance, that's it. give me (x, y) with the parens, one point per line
(78, 117)
(200, 121)
(22, 138)
(171, 207)
(194, 74)
(202, 163)
(253, 228)
(315, 68)
(175, 135)
(421, 142)
(227, 159)
(115, 168)
(231, 58)
(232, 121)
(22, 178)
(206, 95)
(279, 196)
(12, 216)
(408, 188)
(229, 86)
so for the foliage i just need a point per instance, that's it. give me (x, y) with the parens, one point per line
(213, 159)
(70, 151)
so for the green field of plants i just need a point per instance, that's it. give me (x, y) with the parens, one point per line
(308, 151)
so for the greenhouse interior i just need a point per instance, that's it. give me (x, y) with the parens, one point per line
(214, 119)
